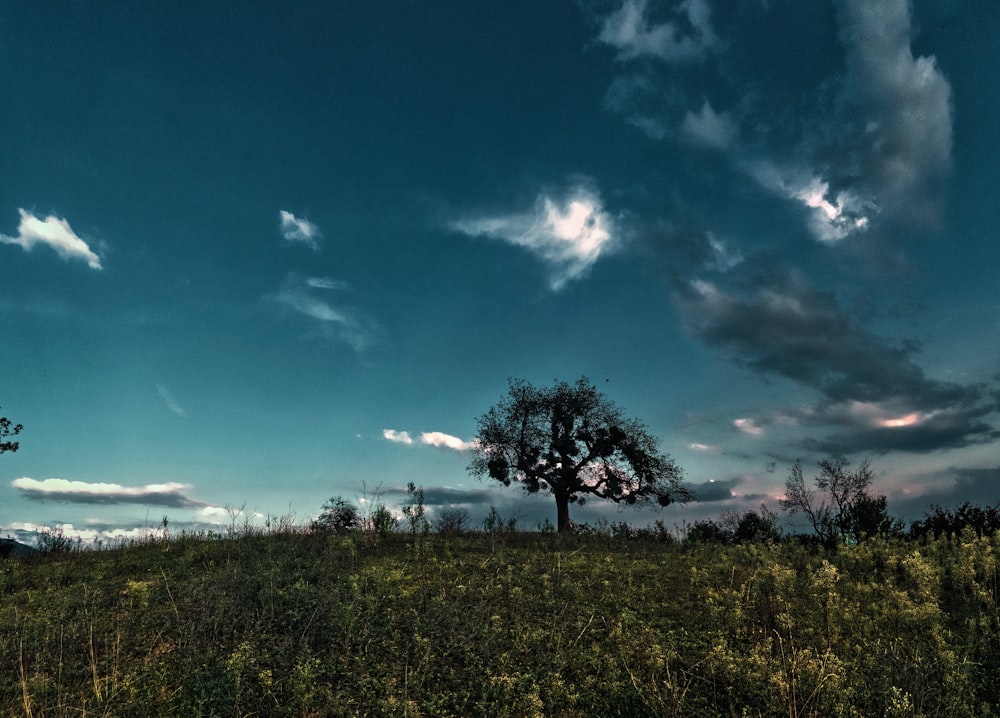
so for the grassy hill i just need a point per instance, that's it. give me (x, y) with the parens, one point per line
(299, 624)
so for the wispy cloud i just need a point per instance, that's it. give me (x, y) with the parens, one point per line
(305, 296)
(569, 236)
(299, 231)
(170, 402)
(82, 492)
(634, 34)
(55, 233)
(709, 128)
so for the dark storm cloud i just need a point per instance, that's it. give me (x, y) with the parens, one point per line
(714, 490)
(876, 396)
(443, 496)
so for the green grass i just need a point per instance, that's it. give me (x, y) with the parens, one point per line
(294, 624)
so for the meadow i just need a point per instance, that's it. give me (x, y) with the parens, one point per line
(291, 622)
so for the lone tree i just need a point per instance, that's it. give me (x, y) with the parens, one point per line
(841, 506)
(571, 441)
(7, 429)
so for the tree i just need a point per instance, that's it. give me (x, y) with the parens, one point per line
(841, 507)
(8, 428)
(572, 441)
(338, 516)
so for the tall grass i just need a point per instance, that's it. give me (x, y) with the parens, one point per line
(291, 623)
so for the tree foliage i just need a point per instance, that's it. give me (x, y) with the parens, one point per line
(8, 429)
(338, 516)
(572, 441)
(841, 507)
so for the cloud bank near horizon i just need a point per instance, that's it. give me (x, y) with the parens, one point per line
(171, 494)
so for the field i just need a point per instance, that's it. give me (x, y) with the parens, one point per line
(293, 623)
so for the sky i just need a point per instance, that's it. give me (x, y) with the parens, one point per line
(256, 255)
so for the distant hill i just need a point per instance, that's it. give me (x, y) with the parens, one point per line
(9, 548)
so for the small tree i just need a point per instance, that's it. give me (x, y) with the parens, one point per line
(841, 507)
(452, 521)
(7, 429)
(572, 441)
(338, 516)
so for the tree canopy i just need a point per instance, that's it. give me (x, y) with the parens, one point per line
(572, 441)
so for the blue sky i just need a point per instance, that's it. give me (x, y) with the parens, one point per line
(256, 256)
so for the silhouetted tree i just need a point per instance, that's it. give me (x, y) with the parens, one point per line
(338, 516)
(841, 507)
(572, 441)
(8, 429)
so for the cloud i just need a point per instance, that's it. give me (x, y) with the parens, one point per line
(170, 402)
(749, 426)
(326, 283)
(398, 437)
(54, 232)
(447, 441)
(82, 492)
(948, 489)
(710, 128)
(631, 31)
(831, 218)
(430, 438)
(906, 102)
(569, 236)
(300, 231)
(340, 323)
(714, 490)
(875, 397)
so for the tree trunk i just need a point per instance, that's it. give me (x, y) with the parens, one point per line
(562, 511)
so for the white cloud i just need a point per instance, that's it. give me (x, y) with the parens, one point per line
(54, 232)
(569, 237)
(447, 441)
(710, 128)
(398, 437)
(298, 230)
(430, 438)
(168, 494)
(630, 31)
(170, 402)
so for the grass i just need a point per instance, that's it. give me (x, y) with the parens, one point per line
(301, 624)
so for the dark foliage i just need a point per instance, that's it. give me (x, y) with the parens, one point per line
(338, 516)
(8, 429)
(984, 520)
